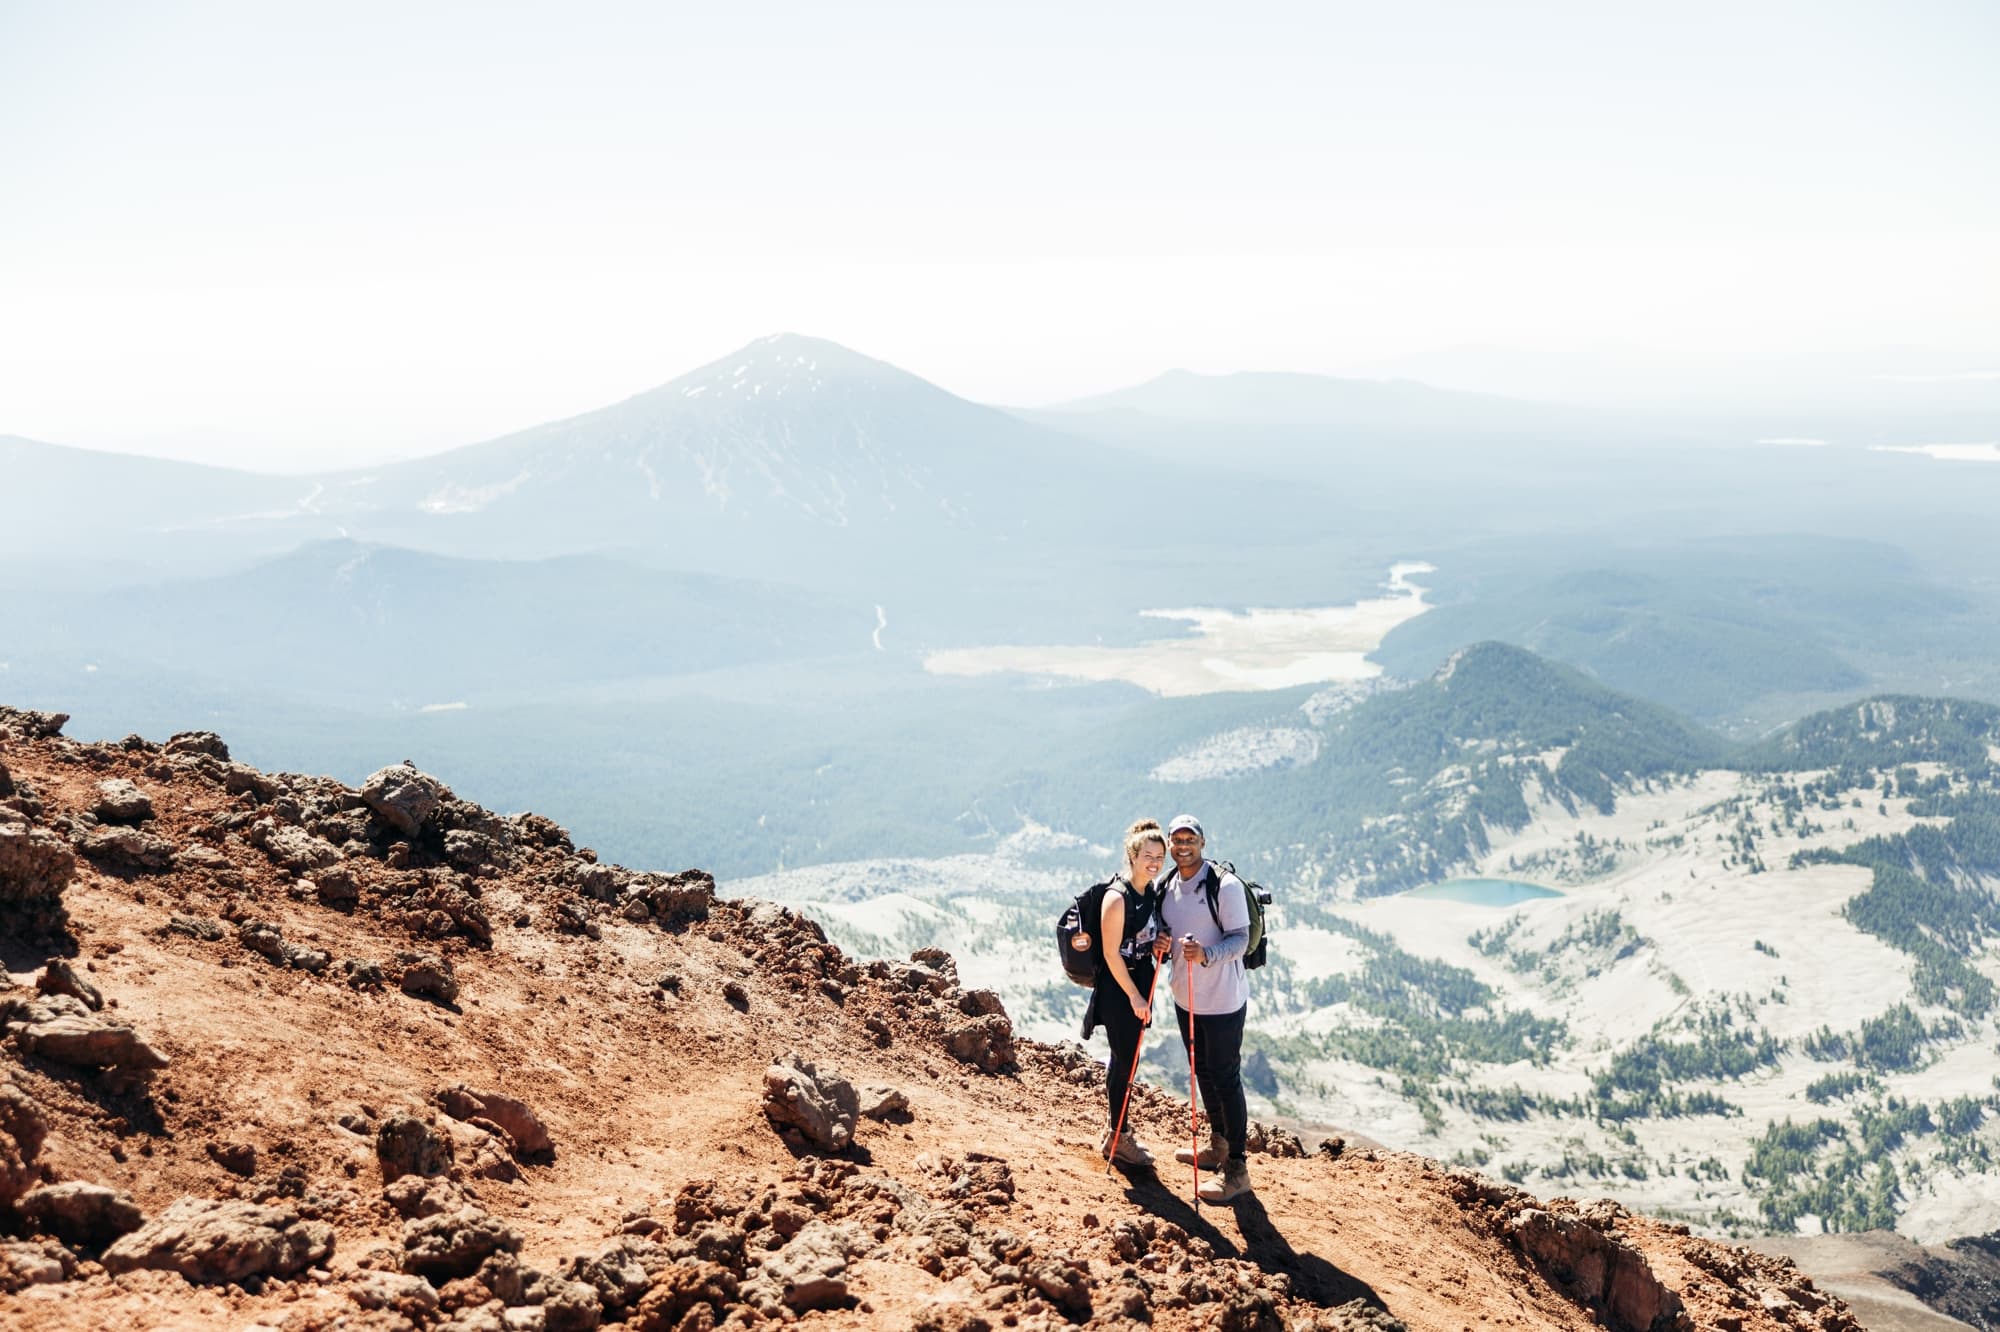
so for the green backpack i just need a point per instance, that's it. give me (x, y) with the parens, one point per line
(1256, 895)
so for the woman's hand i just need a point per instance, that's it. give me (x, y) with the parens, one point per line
(1140, 1008)
(1162, 945)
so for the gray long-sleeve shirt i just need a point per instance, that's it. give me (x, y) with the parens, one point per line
(1219, 984)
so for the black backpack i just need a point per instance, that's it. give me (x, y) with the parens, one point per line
(1076, 933)
(1255, 895)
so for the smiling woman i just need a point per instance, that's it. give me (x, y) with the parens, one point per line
(1228, 652)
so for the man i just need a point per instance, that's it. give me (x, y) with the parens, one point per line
(1207, 913)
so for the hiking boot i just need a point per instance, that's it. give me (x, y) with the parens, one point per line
(1231, 1184)
(1129, 1151)
(1210, 1157)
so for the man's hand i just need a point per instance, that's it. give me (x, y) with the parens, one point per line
(1193, 952)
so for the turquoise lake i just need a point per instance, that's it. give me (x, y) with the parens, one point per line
(1482, 892)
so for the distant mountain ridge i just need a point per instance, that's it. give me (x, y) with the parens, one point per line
(1292, 398)
(791, 453)
(791, 449)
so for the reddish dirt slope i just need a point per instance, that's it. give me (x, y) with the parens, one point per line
(636, 1018)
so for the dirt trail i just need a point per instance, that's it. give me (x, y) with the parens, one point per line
(636, 1017)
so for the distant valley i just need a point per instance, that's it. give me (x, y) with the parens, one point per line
(1763, 995)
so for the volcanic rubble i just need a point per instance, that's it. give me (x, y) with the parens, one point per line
(280, 1052)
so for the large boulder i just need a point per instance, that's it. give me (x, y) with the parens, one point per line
(120, 801)
(820, 1107)
(427, 976)
(987, 1043)
(454, 1244)
(414, 1196)
(622, 1272)
(411, 1297)
(880, 1102)
(83, 1039)
(678, 1289)
(403, 797)
(80, 1214)
(669, 898)
(86, 1040)
(211, 1242)
(292, 847)
(129, 848)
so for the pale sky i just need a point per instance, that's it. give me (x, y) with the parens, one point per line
(298, 235)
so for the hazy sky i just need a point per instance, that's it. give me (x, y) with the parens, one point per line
(295, 234)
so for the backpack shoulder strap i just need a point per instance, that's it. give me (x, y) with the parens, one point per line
(1211, 891)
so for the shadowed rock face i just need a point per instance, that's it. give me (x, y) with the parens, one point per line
(1598, 1269)
(35, 866)
(81, 1214)
(23, 1129)
(1960, 1279)
(407, 1145)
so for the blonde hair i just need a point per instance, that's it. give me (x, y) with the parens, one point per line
(1139, 834)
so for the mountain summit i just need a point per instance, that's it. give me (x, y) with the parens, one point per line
(379, 1058)
(790, 453)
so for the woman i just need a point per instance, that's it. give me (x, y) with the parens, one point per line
(1127, 934)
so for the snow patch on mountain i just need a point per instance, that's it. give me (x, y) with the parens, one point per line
(471, 499)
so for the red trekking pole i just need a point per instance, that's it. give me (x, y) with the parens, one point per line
(1133, 1077)
(1194, 1128)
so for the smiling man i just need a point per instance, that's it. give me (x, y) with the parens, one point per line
(1207, 912)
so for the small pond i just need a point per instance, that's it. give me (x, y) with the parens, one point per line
(1482, 892)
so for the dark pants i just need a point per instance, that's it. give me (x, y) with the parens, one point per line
(1218, 1070)
(1122, 1029)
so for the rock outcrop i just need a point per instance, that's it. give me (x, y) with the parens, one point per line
(209, 1241)
(525, 1131)
(820, 1108)
(404, 798)
(35, 866)
(63, 1030)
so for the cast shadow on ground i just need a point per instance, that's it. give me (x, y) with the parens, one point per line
(1312, 1277)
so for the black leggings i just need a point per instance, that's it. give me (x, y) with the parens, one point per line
(1122, 1029)
(1218, 1068)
